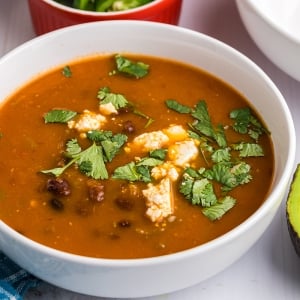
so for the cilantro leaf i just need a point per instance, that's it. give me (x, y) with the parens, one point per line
(140, 170)
(203, 193)
(59, 116)
(158, 153)
(127, 172)
(99, 135)
(72, 148)
(221, 173)
(94, 156)
(204, 125)
(110, 143)
(246, 123)
(144, 173)
(249, 149)
(113, 145)
(117, 100)
(216, 211)
(57, 171)
(229, 175)
(66, 71)
(90, 161)
(241, 171)
(197, 191)
(128, 67)
(178, 107)
(149, 161)
(221, 155)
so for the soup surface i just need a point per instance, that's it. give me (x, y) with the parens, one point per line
(127, 156)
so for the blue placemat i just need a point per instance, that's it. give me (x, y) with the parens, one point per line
(14, 281)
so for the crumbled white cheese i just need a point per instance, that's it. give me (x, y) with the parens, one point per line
(87, 121)
(166, 169)
(182, 153)
(150, 140)
(107, 109)
(159, 200)
(176, 133)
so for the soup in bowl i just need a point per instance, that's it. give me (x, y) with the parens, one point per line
(137, 157)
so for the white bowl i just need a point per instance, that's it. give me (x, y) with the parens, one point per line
(274, 27)
(151, 276)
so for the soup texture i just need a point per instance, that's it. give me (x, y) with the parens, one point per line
(130, 156)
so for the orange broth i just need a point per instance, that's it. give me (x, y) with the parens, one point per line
(103, 228)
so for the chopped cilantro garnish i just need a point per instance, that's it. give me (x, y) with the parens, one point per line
(66, 71)
(178, 107)
(149, 162)
(139, 170)
(117, 100)
(221, 155)
(112, 146)
(131, 172)
(110, 143)
(130, 68)
(59, 116)
(223, 167)
(204, 125)
(216, 211)
(246, 123)
(90, 161)
(229, 175)
(249, 149)
(158, 153)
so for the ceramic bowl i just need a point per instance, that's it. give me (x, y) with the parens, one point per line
(274, 27)
(48, 15)
(151, 276)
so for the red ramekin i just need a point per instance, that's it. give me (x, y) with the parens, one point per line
(48, 15)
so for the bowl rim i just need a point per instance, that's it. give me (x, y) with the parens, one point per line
(267, 205)
(76, 11)
(270, 21)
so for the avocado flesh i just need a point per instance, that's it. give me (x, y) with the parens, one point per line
(293, 210)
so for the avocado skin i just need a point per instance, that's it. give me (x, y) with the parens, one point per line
(293, 232)
(294, 237)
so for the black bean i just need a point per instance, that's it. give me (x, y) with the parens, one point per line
(124, 203)
(58, 186)
(96, 192)
(129, 126)
(56, 204)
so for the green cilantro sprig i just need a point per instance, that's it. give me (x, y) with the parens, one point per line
(66, 71)
(117, 100)
(91, 161)
(130, 68)
(246, 123)
(59, 116)
(224, 166)
(141, 169)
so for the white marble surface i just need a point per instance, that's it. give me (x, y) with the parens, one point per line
(270, 269)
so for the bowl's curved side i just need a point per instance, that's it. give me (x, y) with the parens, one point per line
(48, 15)
(147, 277)
(276, 44)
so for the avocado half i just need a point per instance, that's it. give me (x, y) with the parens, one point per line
(293, 210)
